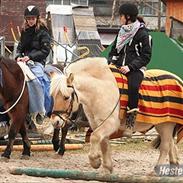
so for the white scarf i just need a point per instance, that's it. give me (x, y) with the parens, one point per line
(126, 34)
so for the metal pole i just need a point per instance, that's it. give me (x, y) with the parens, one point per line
(2, 42)
(159, 15)
(81, 175)
(65, 48)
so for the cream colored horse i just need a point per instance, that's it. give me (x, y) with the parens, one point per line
(91, 83)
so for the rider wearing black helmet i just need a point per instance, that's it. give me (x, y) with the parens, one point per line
(131, 52)
(31, 11)
(35, 40)
(33, 48)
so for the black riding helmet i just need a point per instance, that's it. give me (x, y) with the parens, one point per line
(31, 11)
(128, 9)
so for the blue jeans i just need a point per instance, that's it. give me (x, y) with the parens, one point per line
(41, 91)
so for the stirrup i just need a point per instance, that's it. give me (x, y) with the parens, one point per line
(132, 110)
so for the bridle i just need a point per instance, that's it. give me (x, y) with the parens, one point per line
(68, 112)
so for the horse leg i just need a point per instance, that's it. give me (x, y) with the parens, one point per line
(14, 129)
(55, 139)
(106, 155)
(165, 131)
(61, 149)
(102, 132)
(173, 154)
(26, 142)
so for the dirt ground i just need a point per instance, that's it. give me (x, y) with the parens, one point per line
(134, 157)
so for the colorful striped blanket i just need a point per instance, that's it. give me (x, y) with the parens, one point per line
(160, 99)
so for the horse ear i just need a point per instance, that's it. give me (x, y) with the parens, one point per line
(51, 74)
(70, 79)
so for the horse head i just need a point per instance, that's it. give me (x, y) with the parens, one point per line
(65, 99)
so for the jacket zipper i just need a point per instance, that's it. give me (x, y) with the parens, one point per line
(123, 63)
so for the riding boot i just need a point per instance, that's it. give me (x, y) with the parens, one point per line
(130, 121)
(40, 118)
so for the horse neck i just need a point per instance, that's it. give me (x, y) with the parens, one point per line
(11, 81)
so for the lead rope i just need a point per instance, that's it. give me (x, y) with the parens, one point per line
(4, 112)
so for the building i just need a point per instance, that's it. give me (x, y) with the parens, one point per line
(11, 17)
(174, 12)
(103, 10)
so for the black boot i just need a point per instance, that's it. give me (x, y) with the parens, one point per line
(130, 121)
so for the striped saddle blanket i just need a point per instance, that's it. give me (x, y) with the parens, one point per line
(160, 96)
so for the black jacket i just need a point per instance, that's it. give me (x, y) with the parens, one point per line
(35, 44)
(135, 54)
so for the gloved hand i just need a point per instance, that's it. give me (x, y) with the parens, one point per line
(125, 69)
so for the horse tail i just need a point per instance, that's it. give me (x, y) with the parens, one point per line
(156, 142)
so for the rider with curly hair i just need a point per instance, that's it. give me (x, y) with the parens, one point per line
(33, 48)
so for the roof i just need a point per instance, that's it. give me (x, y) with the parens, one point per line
(173, 18)
(166, 54)
(85, 26)
(59, 9)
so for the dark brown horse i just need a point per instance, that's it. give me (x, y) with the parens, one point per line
(14, 92)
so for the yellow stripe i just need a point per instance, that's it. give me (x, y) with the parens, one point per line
(161, 93)
(161, 82)
(157, 120)
(118, 75)
(160, 105)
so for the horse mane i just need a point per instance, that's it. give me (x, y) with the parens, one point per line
(89, 65)
(59, 84)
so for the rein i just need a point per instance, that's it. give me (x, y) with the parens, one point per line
(4, 112)
(114, 106)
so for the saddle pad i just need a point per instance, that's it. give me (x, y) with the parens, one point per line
(160, 96)
(27, 72)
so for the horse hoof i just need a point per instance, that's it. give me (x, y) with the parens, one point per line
(25, 157)
(4, 159)
(61, 152)
(106, 171)
(58, 156)
(95, 162)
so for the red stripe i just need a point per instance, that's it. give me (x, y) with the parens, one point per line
(123, 103)
(161, 88)
(153, 88)
(156, 111)
(166, 110)
(120, 80)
